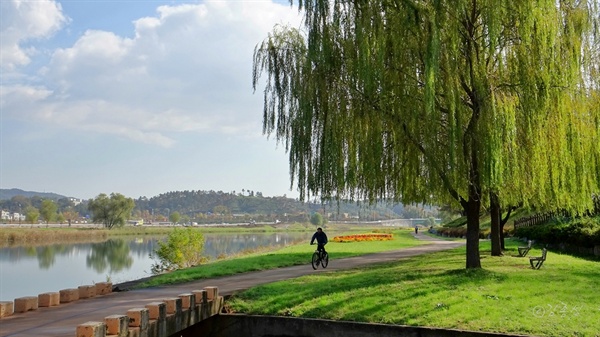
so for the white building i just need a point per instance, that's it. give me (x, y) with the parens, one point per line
(6, 215)
(76, 201)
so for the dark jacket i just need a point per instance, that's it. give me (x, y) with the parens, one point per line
(321, 238)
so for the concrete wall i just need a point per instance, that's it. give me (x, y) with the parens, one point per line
(227, 325)
(50, 299)
(158, 319)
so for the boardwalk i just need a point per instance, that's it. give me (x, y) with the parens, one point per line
(62, 320)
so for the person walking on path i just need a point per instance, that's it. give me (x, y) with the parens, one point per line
(321, 238)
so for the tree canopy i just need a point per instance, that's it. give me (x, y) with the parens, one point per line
(316, 219)
(439, 101)
(111, 211)
(48, 210)
(175, 217)
(182, 249)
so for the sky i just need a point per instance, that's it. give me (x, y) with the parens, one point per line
(136, 97)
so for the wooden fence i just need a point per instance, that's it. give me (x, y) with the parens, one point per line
(538, 219)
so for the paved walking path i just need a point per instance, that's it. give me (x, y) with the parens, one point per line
(63, 320)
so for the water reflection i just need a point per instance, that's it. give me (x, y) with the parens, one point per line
(29, 271)
(219, 246)
(112, 255)
(45, 255)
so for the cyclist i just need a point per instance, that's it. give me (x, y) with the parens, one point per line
(321, 238)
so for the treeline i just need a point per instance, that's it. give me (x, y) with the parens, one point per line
(21, 203)
(228, 206)
(210, 206)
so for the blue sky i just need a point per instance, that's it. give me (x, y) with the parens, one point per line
(136, 97)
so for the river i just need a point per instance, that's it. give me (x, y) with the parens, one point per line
(29, 271)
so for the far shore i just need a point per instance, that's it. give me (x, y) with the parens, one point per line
(12, 235)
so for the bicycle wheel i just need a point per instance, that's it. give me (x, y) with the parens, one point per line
(315, 260)
(325, 261)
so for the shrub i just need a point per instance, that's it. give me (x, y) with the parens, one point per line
(183, 249)
(584, 232)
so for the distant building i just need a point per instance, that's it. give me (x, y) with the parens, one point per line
(6, 215)
(76, 201)
(136, 222)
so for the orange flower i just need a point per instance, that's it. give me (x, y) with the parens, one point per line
(363, 237)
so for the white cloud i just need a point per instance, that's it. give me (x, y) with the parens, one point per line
(187, 69)
(23, 21)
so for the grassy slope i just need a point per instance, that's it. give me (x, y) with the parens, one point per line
(561, 299)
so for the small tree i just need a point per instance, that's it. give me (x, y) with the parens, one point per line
(113, 211)
(222, 210)
(70, 216)
(174, 217)
(411, 212)
(316, 219)
(48, 210)
(183, 249)
(31, 214)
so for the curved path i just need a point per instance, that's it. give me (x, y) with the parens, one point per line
(63, 320)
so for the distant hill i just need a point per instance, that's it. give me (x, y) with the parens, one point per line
(7, 194)
(202, 205)
(193, 203)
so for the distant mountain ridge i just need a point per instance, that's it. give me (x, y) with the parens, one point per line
(7, 194)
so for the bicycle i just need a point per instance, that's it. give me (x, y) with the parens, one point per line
(320, 258)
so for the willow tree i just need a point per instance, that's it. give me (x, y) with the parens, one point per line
(111, 211)
(432, 101)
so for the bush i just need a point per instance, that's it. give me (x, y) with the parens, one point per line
(453, 232)
(583, 232)
(183, 249)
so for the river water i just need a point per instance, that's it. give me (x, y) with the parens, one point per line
(29, 271)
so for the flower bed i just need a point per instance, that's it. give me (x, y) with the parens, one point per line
(363, 237)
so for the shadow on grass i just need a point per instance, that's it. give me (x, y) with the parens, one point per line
(368, 287)
(513, 243)
(428, 288)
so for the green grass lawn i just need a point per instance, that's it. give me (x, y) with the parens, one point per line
(288, 256)
(506, 296)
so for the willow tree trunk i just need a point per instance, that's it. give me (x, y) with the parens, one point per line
(472, 209)
(502, 223)
(496, 226)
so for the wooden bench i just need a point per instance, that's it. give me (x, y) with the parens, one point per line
(524, 250)
(536, 262)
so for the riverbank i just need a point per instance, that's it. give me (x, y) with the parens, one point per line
(37, 236)
(27, 235)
